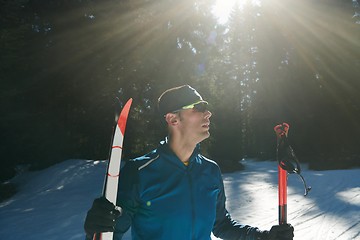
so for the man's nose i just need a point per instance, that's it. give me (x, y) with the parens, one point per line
(208, 114)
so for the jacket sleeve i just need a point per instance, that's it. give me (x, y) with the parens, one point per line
(227, 228)
(128, 198)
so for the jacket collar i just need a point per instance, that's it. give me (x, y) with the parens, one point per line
(170, 155)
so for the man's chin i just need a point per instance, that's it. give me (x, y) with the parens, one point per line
(206, 135)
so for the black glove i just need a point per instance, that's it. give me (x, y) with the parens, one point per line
(277, 232)
(101, 217)
(281, 232)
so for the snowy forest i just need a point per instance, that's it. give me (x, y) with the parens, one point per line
(63, 62)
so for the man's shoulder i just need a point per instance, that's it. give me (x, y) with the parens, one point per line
(207, 160)
(209, 164)
(209, 167)
(146, 159)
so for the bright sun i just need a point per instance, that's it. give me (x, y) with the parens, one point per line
(222, 9)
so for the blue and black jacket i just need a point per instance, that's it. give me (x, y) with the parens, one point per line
(164, 199)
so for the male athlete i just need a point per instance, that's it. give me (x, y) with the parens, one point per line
(173, 192)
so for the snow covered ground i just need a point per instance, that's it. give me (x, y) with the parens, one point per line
(51, 204)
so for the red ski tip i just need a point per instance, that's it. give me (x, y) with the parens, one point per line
(123, 116)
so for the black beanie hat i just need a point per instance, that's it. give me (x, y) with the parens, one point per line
(176, 98)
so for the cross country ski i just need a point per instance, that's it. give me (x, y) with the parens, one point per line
(112, 173)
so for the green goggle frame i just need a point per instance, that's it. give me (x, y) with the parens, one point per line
(193, 106)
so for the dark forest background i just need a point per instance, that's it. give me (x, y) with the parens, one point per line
(63, 62)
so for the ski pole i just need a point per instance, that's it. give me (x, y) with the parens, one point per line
(286, 157)
(282, 131)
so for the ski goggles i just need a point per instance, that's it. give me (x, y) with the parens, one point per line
(200, 106)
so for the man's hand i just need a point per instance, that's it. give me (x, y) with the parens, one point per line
(281, 232)
(101, 217)
(277, 232)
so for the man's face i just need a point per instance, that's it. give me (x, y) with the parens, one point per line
(194, 125)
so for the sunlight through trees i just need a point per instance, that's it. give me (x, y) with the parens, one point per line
(63, 63)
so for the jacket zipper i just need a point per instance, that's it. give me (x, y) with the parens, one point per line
(192, 204)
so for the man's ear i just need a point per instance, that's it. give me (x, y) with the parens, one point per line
(172, 119)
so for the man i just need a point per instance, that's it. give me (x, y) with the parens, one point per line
(174, 192)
